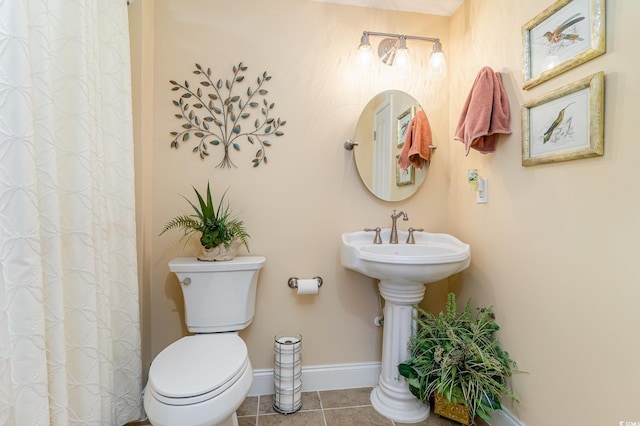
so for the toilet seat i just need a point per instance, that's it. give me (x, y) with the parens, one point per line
(197, 368)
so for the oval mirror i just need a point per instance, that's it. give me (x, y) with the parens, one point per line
(380, 134)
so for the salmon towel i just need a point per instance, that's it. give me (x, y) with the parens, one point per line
(415, 150)
(485, 113)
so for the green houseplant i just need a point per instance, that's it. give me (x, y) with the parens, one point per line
(221, 233)
(457, 356)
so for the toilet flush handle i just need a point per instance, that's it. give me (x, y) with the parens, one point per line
(186, 281)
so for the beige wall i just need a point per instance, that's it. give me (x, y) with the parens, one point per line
(296, 206)
(553, 249)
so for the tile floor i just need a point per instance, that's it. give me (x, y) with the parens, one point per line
(349, 407)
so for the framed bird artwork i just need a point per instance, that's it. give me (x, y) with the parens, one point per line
(563, 36)
(565, 124)
(403, 124)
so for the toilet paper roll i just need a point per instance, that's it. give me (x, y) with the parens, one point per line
(288, 401)
(287, 360)
(309, 286)
(284, 362)
(282, 374)
(288, 386)
(287, 350)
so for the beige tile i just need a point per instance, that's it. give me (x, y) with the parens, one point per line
(249, 407)
(436, 420)
(480, 422)
(266, 405)
(310, 401)
(357, 416)
(248, 421)
(345, 398)
(301, 418)
(432, 420)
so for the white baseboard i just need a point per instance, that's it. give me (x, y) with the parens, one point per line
(504, 417)
(322, 377)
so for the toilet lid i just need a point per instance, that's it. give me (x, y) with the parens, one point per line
(196, 365)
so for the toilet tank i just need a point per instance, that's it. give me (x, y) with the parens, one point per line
(218, 296)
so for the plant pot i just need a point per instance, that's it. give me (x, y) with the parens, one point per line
(220, 252)
(456, 412)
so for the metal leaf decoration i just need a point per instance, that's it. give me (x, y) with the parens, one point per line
(213, 114)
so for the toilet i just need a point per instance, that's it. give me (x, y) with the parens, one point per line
(201, 380)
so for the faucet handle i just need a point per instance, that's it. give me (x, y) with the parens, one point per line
(410, 239)
(377, 239)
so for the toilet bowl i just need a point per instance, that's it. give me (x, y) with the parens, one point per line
(201, 380)
(198, 380)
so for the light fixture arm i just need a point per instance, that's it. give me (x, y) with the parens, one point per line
(407, 37)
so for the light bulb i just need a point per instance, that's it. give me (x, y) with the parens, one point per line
(402, 61)
(437, 67)
(365, 55)
(364, 50)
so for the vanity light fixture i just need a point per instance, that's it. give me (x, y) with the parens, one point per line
(392, 50)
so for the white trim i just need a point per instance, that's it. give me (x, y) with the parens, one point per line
(504, 417)
(323, 377)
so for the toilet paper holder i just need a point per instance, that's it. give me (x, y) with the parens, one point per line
(293, 282)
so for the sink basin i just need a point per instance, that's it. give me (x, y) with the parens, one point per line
(433, 257)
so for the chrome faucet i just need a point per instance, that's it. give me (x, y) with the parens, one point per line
(393, 239)
(410, 239)
(377, 239)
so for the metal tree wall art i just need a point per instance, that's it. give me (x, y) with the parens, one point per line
(214, 115)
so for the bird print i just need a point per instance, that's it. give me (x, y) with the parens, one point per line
(564, 131)
(403, 129)
(558, 34)
(557, 122)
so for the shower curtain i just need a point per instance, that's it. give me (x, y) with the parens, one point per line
(69, 314)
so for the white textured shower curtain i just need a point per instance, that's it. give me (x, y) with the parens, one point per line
(69, 315)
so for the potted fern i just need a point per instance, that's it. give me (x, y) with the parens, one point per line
(221, 233)
(457, 360)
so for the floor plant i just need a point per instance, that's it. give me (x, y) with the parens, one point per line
(458, 356)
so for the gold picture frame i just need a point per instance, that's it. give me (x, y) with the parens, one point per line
(565, 124)
(563, 36)
(405, 177)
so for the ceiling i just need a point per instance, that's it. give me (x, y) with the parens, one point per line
(432, 7)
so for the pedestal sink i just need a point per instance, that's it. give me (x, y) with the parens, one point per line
(402, 270)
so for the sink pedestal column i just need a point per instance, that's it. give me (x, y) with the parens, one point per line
(392, 397)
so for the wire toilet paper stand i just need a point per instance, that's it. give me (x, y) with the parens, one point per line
(287, 373)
